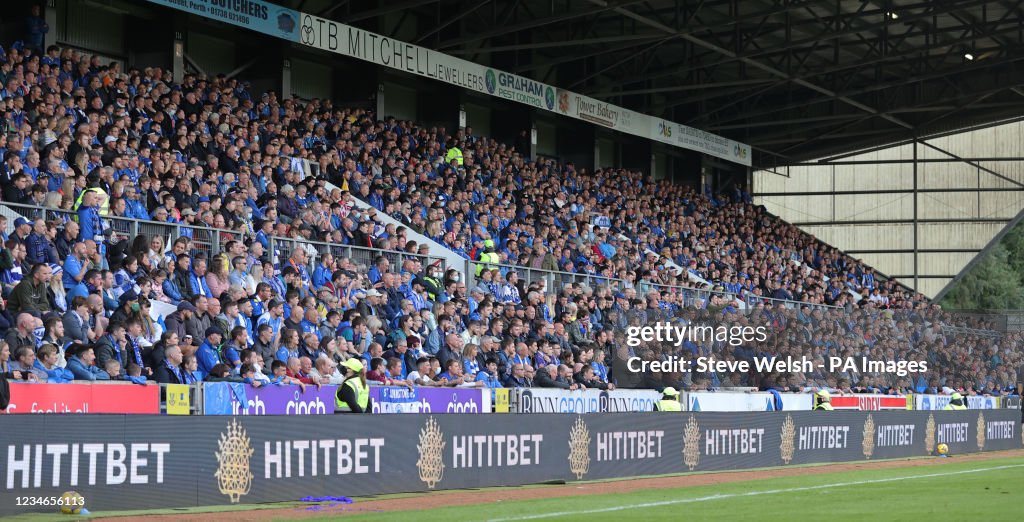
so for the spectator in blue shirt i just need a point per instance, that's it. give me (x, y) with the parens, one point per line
(83, 364)
(46, 361)
(489, 375)
(208, 354)
(76, 265)
(40, 248)
(89, 218)
(289, 345)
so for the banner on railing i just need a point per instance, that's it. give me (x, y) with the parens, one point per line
(179, 399)
(747, 401)
(938, 402)
(869, 402)
(502, 400)
(84, 398)
(554, 400)
(419, 399)
(233, 398)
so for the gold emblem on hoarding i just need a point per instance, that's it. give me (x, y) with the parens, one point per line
(787, 447)
(929, 434)
(234, 478)
(579, 449)
(981, 431)
(869, 437)
(691, 443)
(431, 448)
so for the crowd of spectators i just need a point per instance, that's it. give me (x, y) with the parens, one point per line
(100, 143)
(971, 361)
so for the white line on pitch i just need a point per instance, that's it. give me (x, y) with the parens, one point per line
(747, 494)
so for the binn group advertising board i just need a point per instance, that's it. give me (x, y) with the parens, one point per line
(554, 400)
(135, 462)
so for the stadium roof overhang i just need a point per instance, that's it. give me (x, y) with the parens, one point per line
(795, 79)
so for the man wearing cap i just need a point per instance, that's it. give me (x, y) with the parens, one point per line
(669, 400)
(176, 323)
(22, 229)
(354, 393)
(418, 295)
(209, 354)
(128, 303)
(369, 305)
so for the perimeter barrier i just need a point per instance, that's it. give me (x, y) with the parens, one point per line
(121, 462)
(231, 398)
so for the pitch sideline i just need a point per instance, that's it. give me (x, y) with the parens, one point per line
(747, 494)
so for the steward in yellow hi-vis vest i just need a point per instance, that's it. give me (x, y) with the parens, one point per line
(956, 402)
(354, 393)
(104, 200)
(489, 259)
(669, 400)
(823, 401)
(454, 153)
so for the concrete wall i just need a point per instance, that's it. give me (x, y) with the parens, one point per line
(311, 80)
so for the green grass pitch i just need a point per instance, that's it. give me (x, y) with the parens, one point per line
(982, 490)
(988, 490)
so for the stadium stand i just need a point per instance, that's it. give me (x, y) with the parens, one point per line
(237, 215)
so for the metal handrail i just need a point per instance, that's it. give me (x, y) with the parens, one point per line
(209, 239)
(946, 329)
(554, 280)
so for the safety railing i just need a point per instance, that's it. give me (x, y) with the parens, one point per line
(211, 241)
(552, 280)
(364, 258)
(216, 398)
(690, 297)
(205, 239)
(959, 330)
